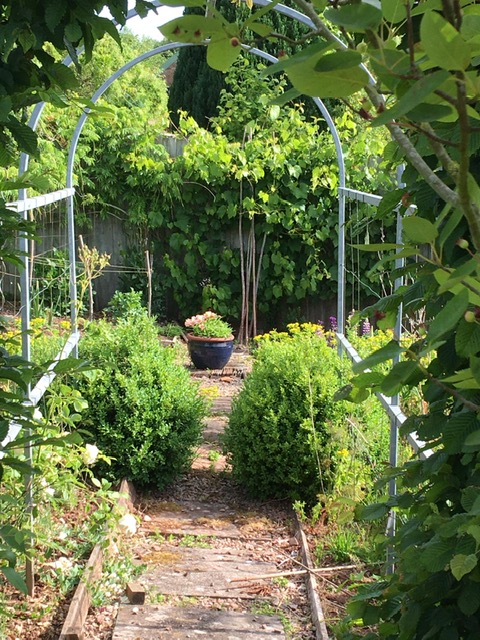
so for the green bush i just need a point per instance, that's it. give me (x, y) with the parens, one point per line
(144, 411)
(285, 426)
(126, 305)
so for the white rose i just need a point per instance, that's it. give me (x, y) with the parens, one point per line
(62, 564)
(128, 524)
(90, 454)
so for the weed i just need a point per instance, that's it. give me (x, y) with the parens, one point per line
(281, 582)
(154, 597)
(199, 542)
(263, 608)
(214, 455)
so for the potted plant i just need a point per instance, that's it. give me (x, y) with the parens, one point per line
(209, 340)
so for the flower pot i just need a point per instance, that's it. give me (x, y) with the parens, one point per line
(209, 353)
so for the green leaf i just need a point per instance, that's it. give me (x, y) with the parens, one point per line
(469, 598)
(428, 112)
(401, 374)
(467, 338)
(473, 439)
(333, 75)
(436, 554)
(286, 97)
(443, 44)
(448, 317)
(24, 136)
(469, 499)
(456, 430)
(299, 58)
(387, 352)
(394, 10)
(5, 108)
(419, 230)
(461, 565)
(222, 52)
(456, 276)
(191, 28)
(263, 30)
(54, 12)
(373, 511)
(361, 16)
(414, 96)
(26, 39)
(15, 579)
(384, 246)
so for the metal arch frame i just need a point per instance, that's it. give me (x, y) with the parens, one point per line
(262, 54)
(35, 118)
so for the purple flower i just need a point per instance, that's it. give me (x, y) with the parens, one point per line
(333, 323)
(366, 327)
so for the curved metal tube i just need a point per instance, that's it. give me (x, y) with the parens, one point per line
(287, 11)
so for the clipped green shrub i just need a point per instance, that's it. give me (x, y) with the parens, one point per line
(144, 411)
(285, 425)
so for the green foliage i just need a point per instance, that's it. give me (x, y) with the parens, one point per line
(197, 87)
(423, 58)
(50, 283)
(208, 325)
(30, 73)
(284, 423)
(126, 305)
(134, 277)
(278, 184)
(143, 410)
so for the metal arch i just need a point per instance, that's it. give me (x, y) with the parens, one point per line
(288, 12)
(320, 105)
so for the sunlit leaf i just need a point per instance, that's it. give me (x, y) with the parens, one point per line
(419, 230)
(443, 44)
(191, 28)
(260, 28)
(385, 353)
(222, 52)
(329, 76)
(394, 10)
(461, 565)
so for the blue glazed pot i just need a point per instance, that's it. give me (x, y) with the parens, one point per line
(209, 353)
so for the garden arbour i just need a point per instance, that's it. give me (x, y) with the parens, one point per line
(25, 204)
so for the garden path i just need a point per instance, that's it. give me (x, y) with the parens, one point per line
(208, 550)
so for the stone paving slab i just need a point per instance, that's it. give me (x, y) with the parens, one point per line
(181, 623)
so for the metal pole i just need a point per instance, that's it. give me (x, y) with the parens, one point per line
(23, 245)
(395, 400)
(73, 269)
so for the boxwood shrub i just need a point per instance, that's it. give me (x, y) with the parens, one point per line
(143, 411)
(285, 425)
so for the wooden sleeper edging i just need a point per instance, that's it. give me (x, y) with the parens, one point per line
(73, 627)
(318, 617)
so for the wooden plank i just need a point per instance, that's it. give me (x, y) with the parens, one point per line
(73, 626)
(179, 623)
(318, 616)
(135, 593)
(203, 572)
